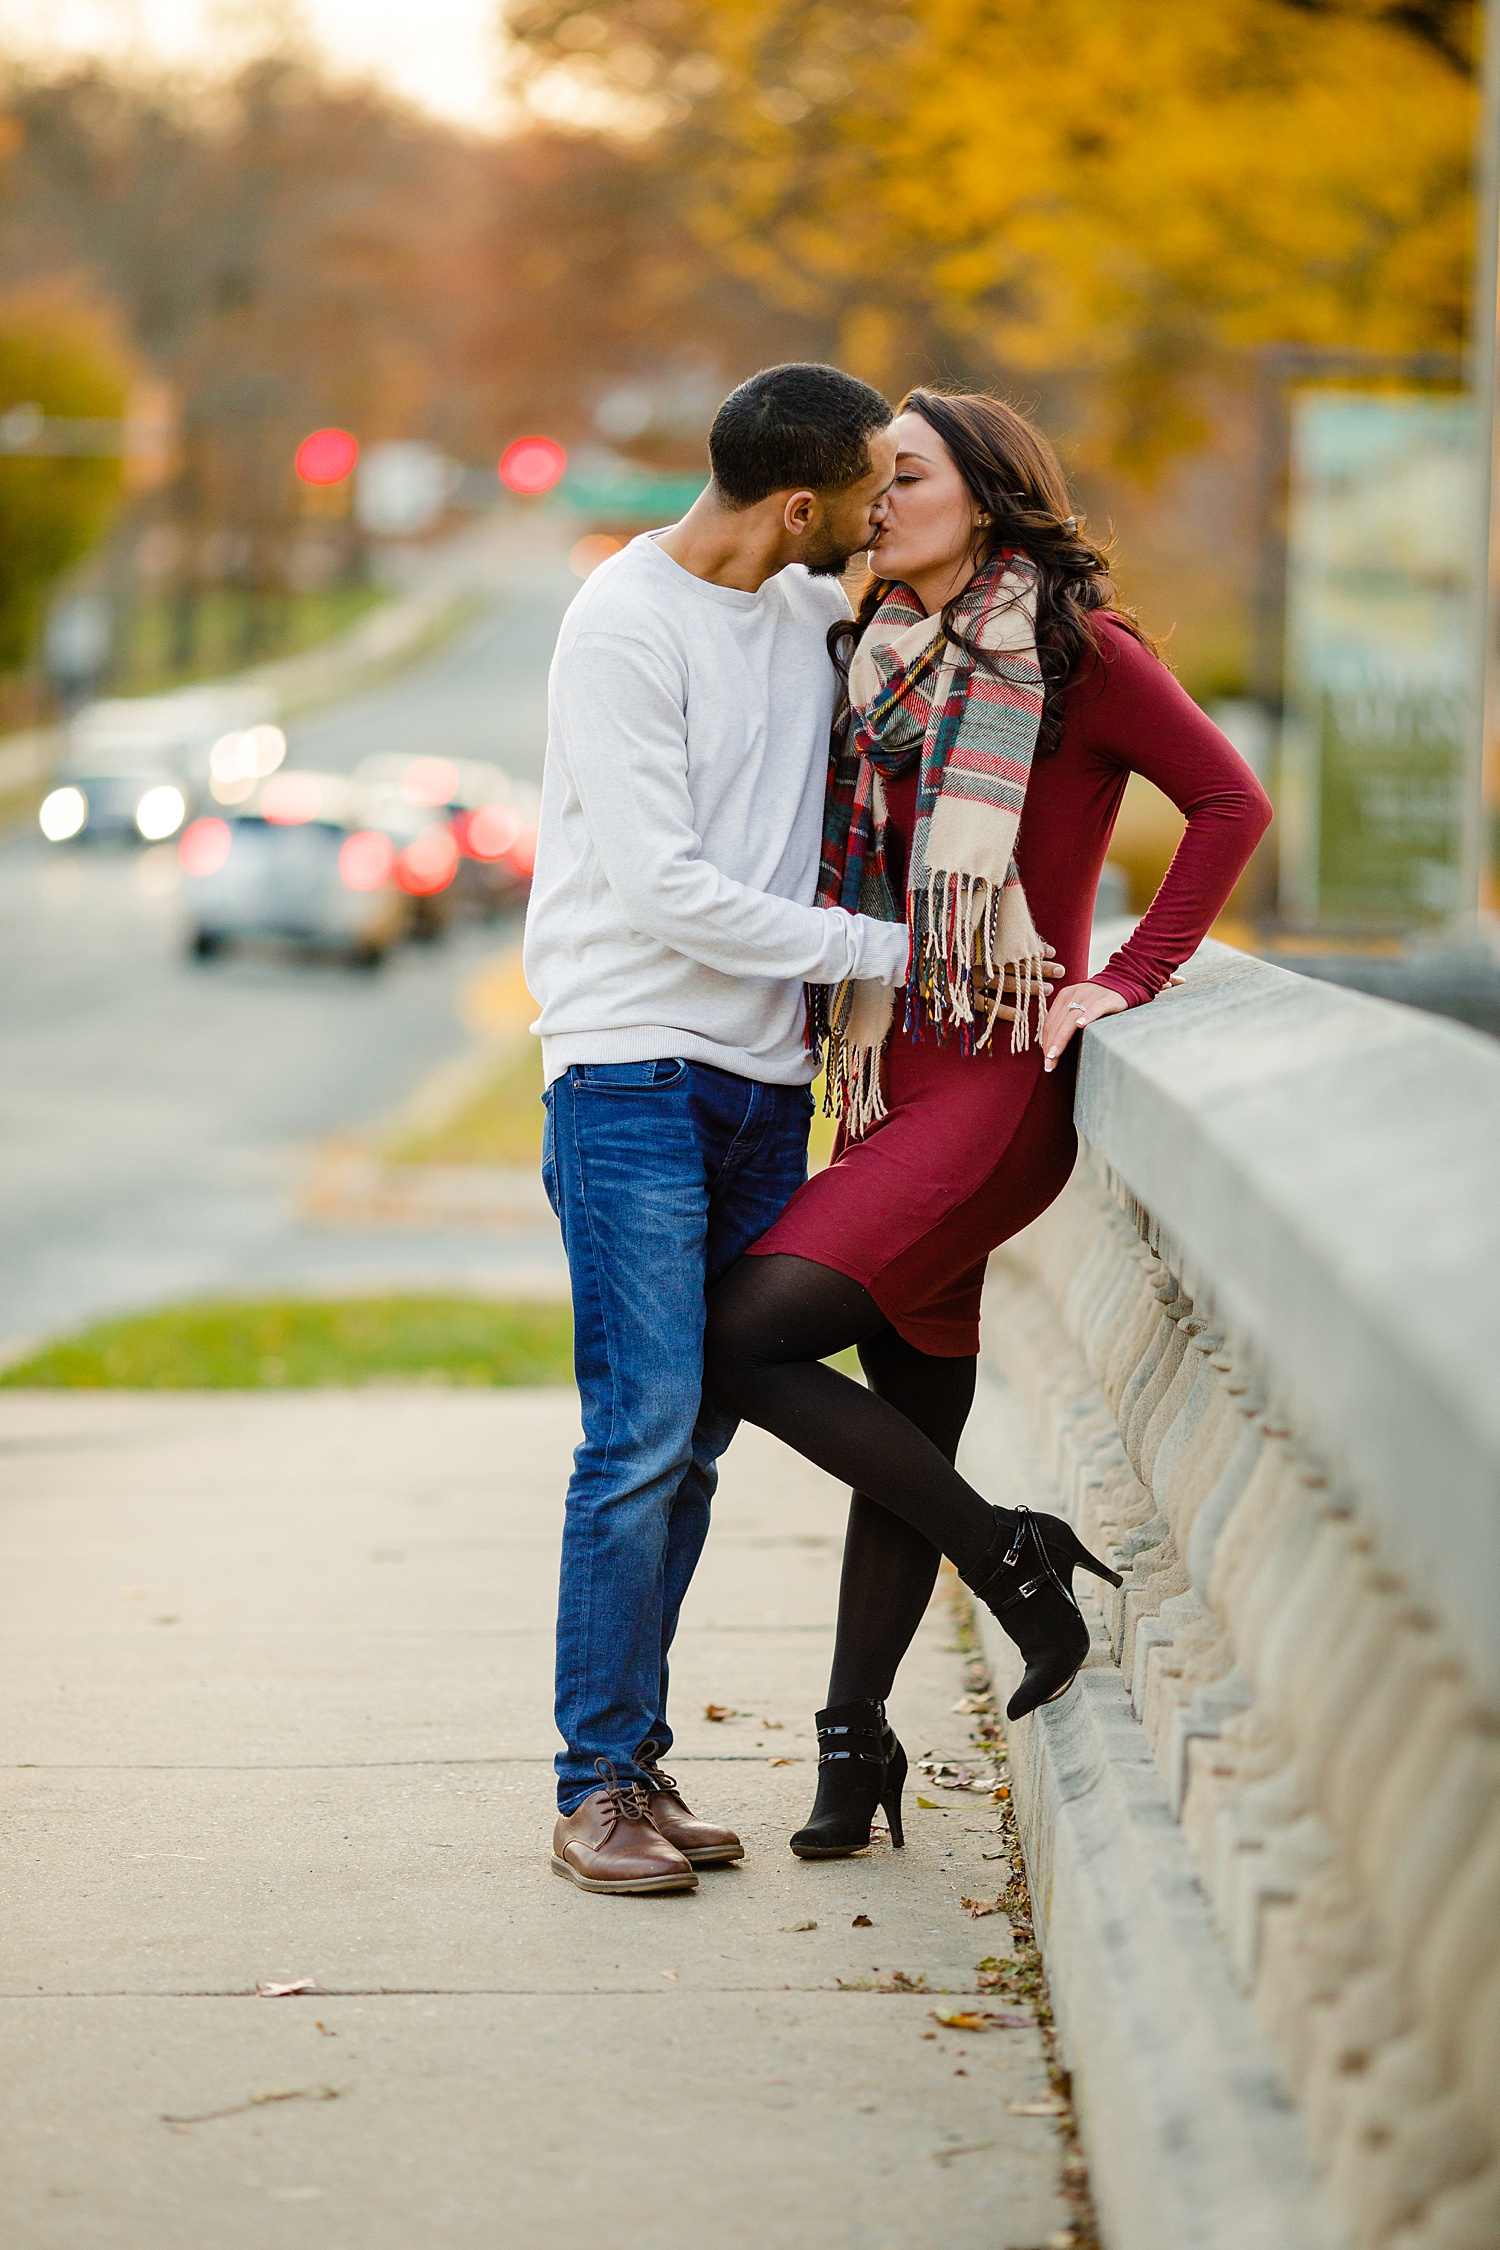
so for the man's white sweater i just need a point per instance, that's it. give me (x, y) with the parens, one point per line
(682, 815)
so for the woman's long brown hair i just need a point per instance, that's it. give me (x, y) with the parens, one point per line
(1015, 478)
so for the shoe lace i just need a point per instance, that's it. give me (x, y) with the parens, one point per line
(646, 1758)
(627, 1799)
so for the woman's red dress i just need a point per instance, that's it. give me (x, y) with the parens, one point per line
(975, 1147)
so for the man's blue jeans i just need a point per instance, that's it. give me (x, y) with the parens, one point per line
(661, 1174)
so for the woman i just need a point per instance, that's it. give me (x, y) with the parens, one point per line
(998, 702)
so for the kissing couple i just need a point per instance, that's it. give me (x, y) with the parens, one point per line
(777, 836)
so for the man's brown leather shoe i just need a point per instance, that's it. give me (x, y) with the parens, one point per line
(698, 1840)
(611, 1843)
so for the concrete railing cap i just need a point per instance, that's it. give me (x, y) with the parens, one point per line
(1327, 1167)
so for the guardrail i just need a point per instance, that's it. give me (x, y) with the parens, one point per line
(1254, 1353)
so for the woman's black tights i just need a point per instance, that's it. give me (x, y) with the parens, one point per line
(771, 1323)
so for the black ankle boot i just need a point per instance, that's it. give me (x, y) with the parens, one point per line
(861, 1765)
(1025, 1577)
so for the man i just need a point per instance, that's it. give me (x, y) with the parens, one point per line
(667, 942)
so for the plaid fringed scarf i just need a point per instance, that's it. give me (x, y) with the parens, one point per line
(914, 694)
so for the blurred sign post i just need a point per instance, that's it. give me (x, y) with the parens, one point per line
(1379, 659)
(402, 488)
(76, 644)
(1481, 862)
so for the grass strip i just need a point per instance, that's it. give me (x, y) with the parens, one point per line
(501, 1124)
(297, 1344)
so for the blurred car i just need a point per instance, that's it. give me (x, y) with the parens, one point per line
(134, 768)
(114, 794)
(493, 819)
(298, 864)
(427, 859)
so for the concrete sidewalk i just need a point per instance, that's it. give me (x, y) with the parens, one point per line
(277, 1707)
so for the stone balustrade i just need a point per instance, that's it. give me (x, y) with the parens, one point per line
(1251, 1353)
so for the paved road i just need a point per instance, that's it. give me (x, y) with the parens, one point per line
(276, 1688)
(485, 696)
(155, 1115)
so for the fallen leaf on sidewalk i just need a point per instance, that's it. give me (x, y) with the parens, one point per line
(984, 2019)
(284, 1991)
(861, 1922)
(799, 1925)
(930, 1804)
(975, 1907)
(719, 1712)
(783, 1761)
(774, 1726)
(327, 2034)
(257, 2101)
(897, 1980)
(947, 1773)
(672, 1973)
(1051, 2107)
(969, 2148)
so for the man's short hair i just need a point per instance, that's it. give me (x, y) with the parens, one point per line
(802, 426)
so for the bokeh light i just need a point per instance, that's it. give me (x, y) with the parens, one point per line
(289, 799)
(521, 858)
(326, 457)
(366, 859)
(237, 761)
(490, 832)
(589, 552)
(160, 812)
(203, 846)
(62, 814)
(430, 782)
(428, 864)
(532, 464)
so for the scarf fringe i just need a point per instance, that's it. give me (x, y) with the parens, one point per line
(958, 961)
(955, 937)
(851, 1068)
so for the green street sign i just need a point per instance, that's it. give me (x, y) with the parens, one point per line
(619, 493)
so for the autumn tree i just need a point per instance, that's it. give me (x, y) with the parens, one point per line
(53, 508)
(1038, 185)
(591, 278)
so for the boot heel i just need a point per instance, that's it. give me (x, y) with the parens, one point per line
(890, 1802)
(1081, 1559)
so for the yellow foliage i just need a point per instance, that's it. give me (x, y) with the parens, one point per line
(1062, 183)
(67, 361)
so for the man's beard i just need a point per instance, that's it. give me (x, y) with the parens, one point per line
(829, 558)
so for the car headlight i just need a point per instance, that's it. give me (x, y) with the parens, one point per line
(62, 814)
(160, 812)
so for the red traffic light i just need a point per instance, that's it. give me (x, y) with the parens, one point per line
(326, 457)
(532, 464)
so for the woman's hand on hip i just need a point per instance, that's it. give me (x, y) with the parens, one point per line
(1053, 972)
(1076, 1006)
